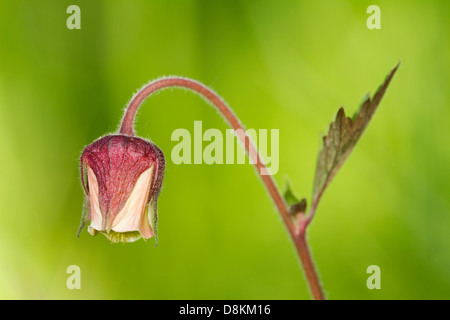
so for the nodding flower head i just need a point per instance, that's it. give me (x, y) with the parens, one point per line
(122, 177)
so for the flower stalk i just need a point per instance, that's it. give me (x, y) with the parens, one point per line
(296, 227)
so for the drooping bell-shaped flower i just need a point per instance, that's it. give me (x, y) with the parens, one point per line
(122, 177)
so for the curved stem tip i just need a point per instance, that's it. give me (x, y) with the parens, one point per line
(297, 232)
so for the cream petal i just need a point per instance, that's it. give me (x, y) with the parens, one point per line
(132, 216)
(146, 228)
(95, 213)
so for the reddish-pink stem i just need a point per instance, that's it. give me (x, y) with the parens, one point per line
(296, 232)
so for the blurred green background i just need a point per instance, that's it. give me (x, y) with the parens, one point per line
(284, 65)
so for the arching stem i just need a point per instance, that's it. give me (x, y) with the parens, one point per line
(297, 230)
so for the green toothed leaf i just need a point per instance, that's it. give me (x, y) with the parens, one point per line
(296, 206)
(289, 195)
(342, 137)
